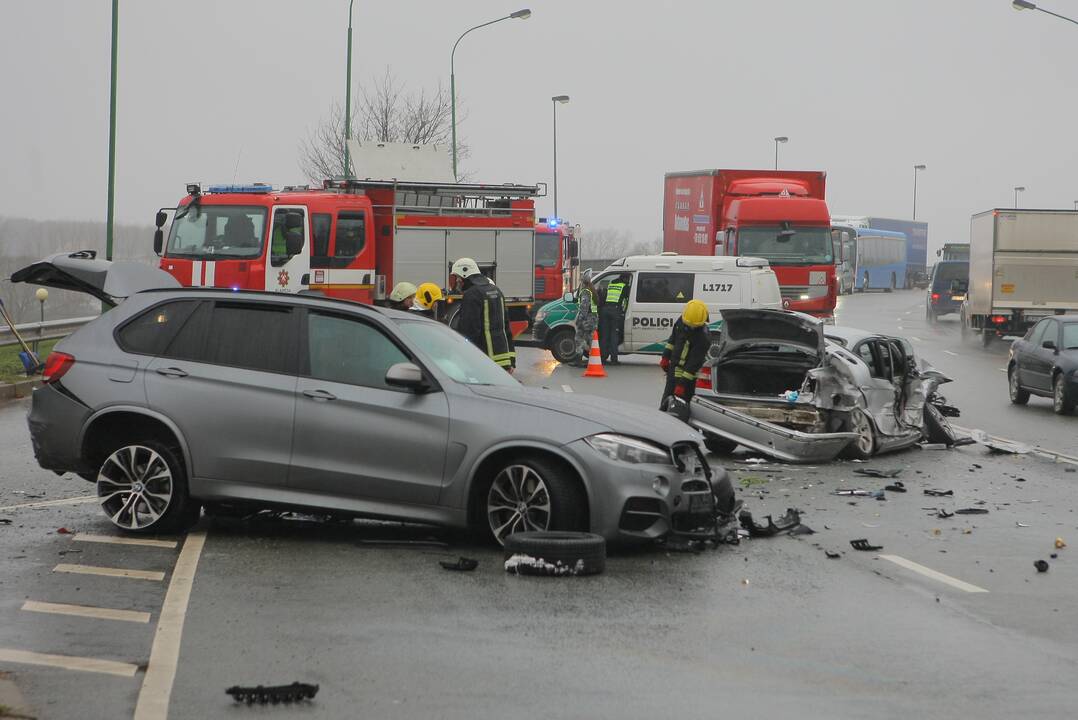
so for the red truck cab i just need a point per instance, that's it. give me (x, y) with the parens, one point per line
(557, 262)
(779, 215)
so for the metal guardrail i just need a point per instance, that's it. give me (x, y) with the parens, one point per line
(48, 330)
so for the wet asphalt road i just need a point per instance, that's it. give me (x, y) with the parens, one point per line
(771, 625)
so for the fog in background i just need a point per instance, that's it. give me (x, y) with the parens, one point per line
(865, 89)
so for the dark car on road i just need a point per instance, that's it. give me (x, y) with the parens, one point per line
(947, 289)
(1045, 363)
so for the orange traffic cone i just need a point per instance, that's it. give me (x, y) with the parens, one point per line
(595, 359)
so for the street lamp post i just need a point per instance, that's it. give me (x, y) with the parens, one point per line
(1024, 5)
(518, 15)
(557, 99)
(1076, 204)
(42, 295)
(110, 212)
(1017, 189)
(348, 96)
(916, 169)
(779, 139)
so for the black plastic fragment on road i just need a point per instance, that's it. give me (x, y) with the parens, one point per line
(960, 442)
(873, 472)
(461, 564)
(832, 555)
(896, 487)
(938, 493)
(970, 511)
(1041, 565)
(943, 514)
(789, 521)
(274, 694)
(5, 521)
(863, 544)
(802, 530)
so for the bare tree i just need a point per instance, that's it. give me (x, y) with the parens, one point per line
(611, 243)
(385, 111)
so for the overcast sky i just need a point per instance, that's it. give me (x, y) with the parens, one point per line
(981, 94)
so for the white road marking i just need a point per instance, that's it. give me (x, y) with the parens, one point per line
(916, 338)
(87, 611)
(68, 662)
(116, 540)
(164, 657)
(110, 572)
(951, 353)
(1002, 369)
(50, 503)
(1039, 451)
(566, 388)
(933, 574)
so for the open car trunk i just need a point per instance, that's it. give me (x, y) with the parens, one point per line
(761, 373)
(105, 280)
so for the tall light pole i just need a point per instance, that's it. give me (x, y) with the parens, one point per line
(779, 139)
(557, 100)
(518, 15)
(111, 212)
(348, 96)
(1024, 5)
(1076, 204)
(1017, 189)
(916, 169)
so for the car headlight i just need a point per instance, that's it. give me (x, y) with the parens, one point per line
(628, 449)
(541, 314)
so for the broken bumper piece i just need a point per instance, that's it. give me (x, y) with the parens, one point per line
(773, 440)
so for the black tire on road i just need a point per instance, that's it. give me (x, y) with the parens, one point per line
(558, 505)
(718, 444)
(1017, 394)
(930, 316)
(1062, 403)
(154, 469)
(568, 548)
(937, 428)
(864, 447)
(562, 345)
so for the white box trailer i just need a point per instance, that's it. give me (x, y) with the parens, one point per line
(1023, 266)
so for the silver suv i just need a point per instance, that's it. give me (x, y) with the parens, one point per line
(183, 398)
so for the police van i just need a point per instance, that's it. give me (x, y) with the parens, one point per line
(658, 286)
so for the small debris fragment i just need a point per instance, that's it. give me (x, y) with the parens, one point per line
(789, 521)
(938, 493)
(863, 544)
(744, 581)
(1021, 524)
(937, 531)
(273, 694)
(65, 531)
(933, 446)
(750, 480)
(5, 521)
(971, 511)
(873, 472)
(897, 487)
(1054, 555)
(832, 555)
(1060, 544)
(943, 514)
(462, 564)
(1041, 565)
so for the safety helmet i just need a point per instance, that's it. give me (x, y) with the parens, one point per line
(402, 291)
(428, 294)
(465, 267)
(695, 313)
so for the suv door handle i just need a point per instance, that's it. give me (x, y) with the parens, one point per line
(171, 372)
(319, 395)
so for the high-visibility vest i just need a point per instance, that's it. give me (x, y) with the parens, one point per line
(614, 291)
(589, 297)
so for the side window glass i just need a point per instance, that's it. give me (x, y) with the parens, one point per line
(864, 351)
(886, 364)
(348, 351)
(255, 336)
(1038, 333)
(190, 340)
(287, 233)
(351, 237)
(320, 223)
(664, 288)
(151, 332)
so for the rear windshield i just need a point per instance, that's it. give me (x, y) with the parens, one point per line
(946, 272)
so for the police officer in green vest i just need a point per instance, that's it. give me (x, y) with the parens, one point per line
(612, 318)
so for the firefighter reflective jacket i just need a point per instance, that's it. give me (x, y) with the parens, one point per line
(485, 322)
(686, 349)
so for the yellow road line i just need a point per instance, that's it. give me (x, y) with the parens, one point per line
(68, 662)
(110, 572)
(86, 611)
(117, 540)
(50, 503)
(164, 657)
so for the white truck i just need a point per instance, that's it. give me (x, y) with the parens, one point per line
(1023, 266)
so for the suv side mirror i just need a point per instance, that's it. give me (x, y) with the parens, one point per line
(158, 241)
(406, 375)
(1049, 345)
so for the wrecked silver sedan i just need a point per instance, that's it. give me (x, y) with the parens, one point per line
(788, 386)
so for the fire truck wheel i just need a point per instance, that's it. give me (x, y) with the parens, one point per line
(533, 494)
(142, 487)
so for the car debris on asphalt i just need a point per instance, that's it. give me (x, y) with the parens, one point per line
(938, 493)
(864, 545)
(971, 511)
(998, 445)
(789, 521)
(1041, 565)
(461, 564)
(274, 694)
(873, 472)
(521, 564)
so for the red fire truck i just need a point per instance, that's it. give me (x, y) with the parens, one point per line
(352, 238)
(779, 215)
(557, 260)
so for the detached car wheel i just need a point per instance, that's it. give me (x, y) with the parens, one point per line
(142, 487)
(1062, 404)
(718, 444)
(580, 553)
(1014, 390)
(563, 346)
(533, 494)
(864, 446)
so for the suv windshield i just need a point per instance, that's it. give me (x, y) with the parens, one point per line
(546, 249)
(807, 245)
(218, 232)
(454, 355)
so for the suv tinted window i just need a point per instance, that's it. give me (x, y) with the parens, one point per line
(255, 336)
(191, 338)
(150, 332)
(349, 351)
(664, 288)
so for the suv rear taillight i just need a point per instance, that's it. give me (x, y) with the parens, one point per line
(56, 366)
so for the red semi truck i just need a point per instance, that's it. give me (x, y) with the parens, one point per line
(557, 260)
(779, 215)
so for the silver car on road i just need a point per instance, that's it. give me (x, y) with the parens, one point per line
(182, 398)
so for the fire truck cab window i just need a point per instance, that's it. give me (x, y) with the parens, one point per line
(321, 223)
(351, 236)
(285, 228)
(218, 232)
(348, 351)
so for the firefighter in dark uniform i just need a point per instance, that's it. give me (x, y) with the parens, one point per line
(685, 352)
(483, 317)
(612, 318)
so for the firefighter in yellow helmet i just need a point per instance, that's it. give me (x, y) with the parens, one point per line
(685, 352)
(431, 301)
